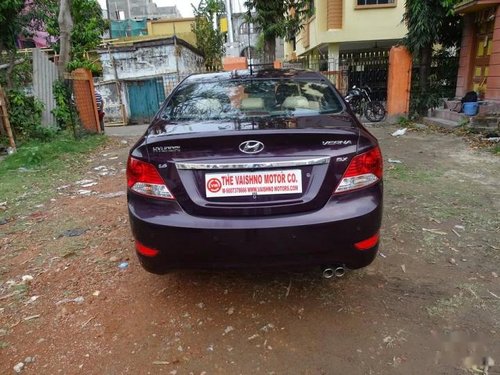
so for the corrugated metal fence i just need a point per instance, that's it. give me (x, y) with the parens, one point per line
(44, 76)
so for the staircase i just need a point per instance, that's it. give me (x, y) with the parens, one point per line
(488, 118)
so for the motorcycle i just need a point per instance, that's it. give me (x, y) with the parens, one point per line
(361, 104)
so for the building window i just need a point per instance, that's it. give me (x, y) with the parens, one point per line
(374, 2)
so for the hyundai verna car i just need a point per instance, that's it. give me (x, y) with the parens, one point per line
(267, 168)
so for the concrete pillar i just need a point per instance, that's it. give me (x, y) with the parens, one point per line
(466, 56)
(333, 56)
(399, 82)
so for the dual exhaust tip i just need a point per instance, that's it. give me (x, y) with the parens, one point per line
(339, 271)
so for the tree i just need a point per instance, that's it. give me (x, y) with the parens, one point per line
(88, 28)
(430, 22)
(209, 40)
(65, 22)
(17, 17)
(85, 34)
(10, 25)
(278, 19)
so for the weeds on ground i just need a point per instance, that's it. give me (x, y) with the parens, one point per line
(404, 173)
(469, 296)
(28, 175)
(476, 138)
(404, 122)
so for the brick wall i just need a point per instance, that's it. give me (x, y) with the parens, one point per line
(334, 14)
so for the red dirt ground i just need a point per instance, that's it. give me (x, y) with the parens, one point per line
(429, 304)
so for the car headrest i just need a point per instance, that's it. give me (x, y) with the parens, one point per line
(252, 103)
(296, 102)
(208, 105)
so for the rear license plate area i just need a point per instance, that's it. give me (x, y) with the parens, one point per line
(239, 184)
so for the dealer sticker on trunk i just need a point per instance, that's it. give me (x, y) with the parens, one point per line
(253, 183)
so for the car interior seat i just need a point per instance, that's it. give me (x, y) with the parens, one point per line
(252, 104)
(285, 90)
(293, 102)
(207, 106)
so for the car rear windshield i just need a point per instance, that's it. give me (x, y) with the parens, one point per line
(246, 99)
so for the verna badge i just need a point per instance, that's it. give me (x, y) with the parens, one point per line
(251, 147)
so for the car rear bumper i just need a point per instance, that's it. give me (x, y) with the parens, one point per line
(324, 237)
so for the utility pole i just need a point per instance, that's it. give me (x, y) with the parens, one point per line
(229, 12)
(107, 10)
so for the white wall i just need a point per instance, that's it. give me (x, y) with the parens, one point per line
(148, 62)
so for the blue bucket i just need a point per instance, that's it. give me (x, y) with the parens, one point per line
(471, 108)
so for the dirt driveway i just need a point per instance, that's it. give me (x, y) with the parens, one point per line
(429, 304)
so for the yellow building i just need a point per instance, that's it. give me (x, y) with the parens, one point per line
(349, 41)
(170, 26)
(340, 26)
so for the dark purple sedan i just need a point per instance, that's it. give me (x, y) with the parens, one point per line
(255, 169)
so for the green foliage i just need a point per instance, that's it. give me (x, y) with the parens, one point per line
(88, 27)
(464, 122)
(430, 22)
(25, 115)
(34, 153)
(33, 156)
(441, 83)
(22, 17)
(10, 23)
(404, 122)
(209, 41)
(62, 112)
(260, 44)
(30, 175)
(17, 17)
(278, 18)
(86, 64)
(22, 73)
(421, 102)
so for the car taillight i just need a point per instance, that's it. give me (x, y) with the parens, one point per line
(364, 170)
(143, 178)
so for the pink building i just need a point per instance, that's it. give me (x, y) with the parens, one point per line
(479, 68)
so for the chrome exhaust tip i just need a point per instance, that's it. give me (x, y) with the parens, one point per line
(328, 273)
(339, 271)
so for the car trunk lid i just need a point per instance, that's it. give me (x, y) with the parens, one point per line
(296, 170)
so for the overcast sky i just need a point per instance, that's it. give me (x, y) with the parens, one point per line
(184, 6)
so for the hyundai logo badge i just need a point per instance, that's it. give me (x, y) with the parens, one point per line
(251, 147)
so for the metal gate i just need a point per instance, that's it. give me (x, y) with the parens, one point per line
(145, 98)
(369, 68)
